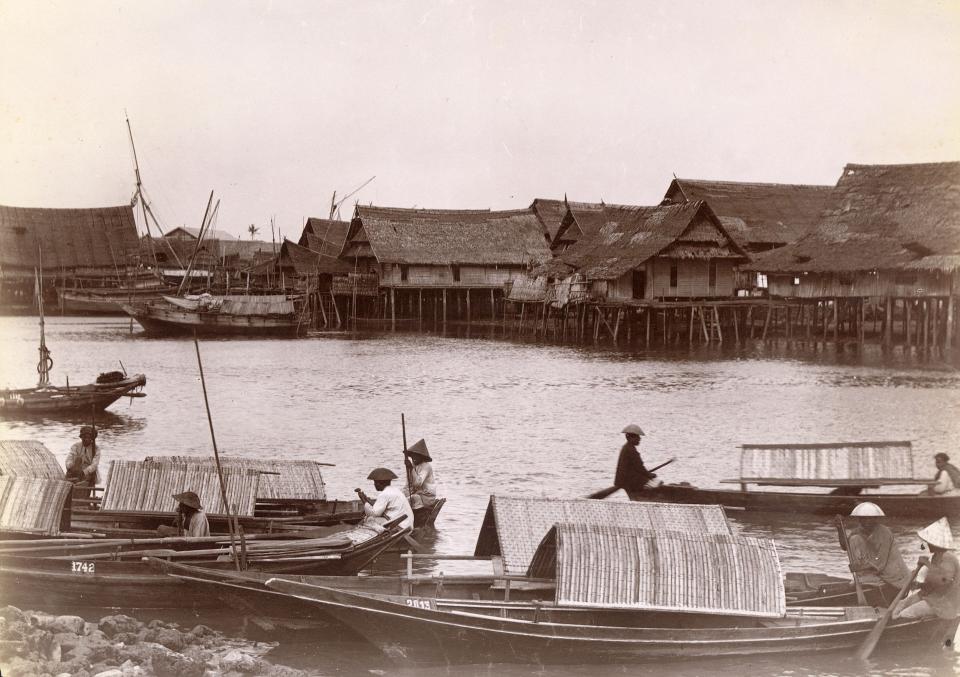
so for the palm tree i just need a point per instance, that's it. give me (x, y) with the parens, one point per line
(253, 230)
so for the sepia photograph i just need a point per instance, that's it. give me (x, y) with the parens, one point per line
(441, 337)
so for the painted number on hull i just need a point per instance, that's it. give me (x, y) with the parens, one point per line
(419, 603)
(83, 567)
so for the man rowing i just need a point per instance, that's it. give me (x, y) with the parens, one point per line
(939, 594)
(873, 551)
(632, 475)
(421, 485)
(390, 502)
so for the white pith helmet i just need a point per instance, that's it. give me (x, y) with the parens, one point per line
(867, 509)
(938, 534)
(634, 429)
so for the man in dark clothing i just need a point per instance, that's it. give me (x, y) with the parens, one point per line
(632, 475)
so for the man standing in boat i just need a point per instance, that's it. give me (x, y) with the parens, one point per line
(947, 478)
(939, 594)
(83, 461)
(191, 518)
(873, 551)
(420, 481)
(632, 475)
(390, 503)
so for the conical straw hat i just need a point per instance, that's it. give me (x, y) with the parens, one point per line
(938, 534)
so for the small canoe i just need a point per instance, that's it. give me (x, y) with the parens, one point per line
(417, 629)
(50, 400)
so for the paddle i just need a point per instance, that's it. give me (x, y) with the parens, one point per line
(603, 493)
(870, 641)
(842, 532)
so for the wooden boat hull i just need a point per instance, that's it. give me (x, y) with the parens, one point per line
(411, 629)
(60, 400)
(80, 580)
(893, 505)
(166, 319)
(104, 301)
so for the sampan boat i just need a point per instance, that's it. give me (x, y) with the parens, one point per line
(820, 479)
(119, 574)
(621, 595)
(50, 399)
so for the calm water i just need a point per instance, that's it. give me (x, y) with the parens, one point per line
(508, 417)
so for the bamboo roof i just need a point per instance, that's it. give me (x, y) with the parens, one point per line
(32, 505)
(149, 486)
(514, 526)
(617, 238)
(889, 460)
(606, 566)
(881, 217)
(308, 262)
(97, 238)
(28, 458)
(758, 214)
(282, 478)
(447, 236)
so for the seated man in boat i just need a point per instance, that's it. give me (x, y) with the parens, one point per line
(873, 551)
(939, 594)
(83, 461)
(191, 519)
(632, 475)
(947, 478)
(390, 503)
(421, 486)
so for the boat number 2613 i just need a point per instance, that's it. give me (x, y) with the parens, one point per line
(82, 567)
(419, 603)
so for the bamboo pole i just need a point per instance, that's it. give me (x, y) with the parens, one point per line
(216, 455)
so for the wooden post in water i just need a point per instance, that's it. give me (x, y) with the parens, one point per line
(908, 303)
(888, 321)
(948, 339)
(493, 306)
(468, 305)
(648, 312)
(444, 309)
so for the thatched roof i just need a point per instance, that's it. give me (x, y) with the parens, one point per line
(324, 236)
(758, 215)
(304, 261)
(882, 217)
(445, 237)
(188, 233)
(74, 239)
(551, 214)
(618, 238)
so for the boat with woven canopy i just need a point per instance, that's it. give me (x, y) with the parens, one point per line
(823, 479)
(207, 314)
(620, 594)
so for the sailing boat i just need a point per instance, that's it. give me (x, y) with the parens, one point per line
(49, 399)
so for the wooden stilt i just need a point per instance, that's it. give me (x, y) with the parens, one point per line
(836, 320)
(616, 325)
(908, 307)
(703, 324)
(935, 332)
(926, 323)
(948, 338)
(716, 321)
(690, 327)
(444, 310)
(736, 328)
(468, 305)
(648, 313)
(750, 320)
(766, 322)
(493, 306)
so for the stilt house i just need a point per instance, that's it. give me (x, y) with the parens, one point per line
(668, 252)
(890, 233)
(442, 255)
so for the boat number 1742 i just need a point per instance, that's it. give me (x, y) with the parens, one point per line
(82, 567)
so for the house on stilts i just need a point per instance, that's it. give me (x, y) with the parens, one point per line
(433, 266)
(882, 262)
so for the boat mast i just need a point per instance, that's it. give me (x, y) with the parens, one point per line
(46, 362)
(143, 201)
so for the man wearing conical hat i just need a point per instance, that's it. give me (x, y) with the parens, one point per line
(191, 519)
(873, 551)
(390, 502)
(632, 475)
(939, 594)
(421, 485)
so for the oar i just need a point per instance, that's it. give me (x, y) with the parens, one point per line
(403, 426)
(870, 641)
(842, 532)
(603, 493)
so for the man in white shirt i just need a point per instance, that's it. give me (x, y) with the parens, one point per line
(191, 519)
(390, 503)
(421, 485)
(83, 461)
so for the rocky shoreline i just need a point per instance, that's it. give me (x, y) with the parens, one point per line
(36, 644)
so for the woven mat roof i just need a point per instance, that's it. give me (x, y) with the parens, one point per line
(28, 458)
(514, 526)
(32, 505)
(836, 461)
(149, 486)
(628, 568)
(282, 479)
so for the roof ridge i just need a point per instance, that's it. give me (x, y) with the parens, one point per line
(817, 186)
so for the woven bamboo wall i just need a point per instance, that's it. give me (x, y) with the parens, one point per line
(514, 527)
(32, 505)
(295, 479)
(28, 458)
(838, 461)
(149, 486)
(618, 567)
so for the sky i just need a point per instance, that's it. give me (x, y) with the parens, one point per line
(276, 105)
